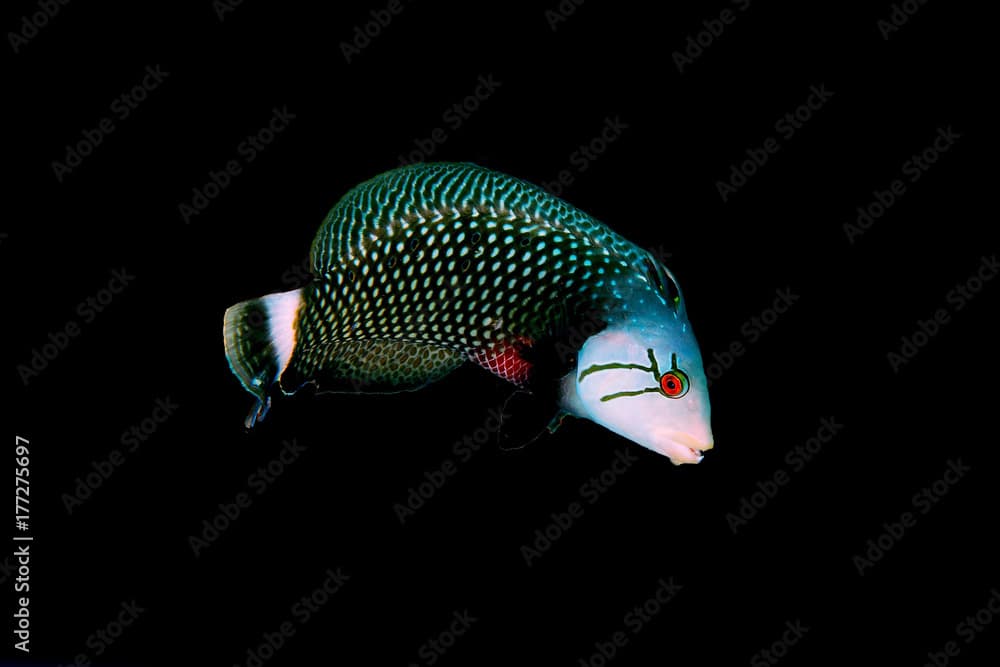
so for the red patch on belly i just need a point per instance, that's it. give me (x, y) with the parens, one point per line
(505, 360)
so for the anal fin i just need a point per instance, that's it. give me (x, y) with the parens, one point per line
(369, 366)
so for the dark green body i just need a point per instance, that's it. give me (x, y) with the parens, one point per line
(445, 261)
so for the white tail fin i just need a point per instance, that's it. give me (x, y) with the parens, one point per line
(259, 335)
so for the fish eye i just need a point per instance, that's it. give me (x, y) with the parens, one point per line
(674, 384)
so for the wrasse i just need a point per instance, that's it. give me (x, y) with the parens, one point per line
(430, 266)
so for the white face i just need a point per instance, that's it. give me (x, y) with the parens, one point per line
(646, 384)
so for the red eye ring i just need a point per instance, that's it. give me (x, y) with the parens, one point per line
(674, 384)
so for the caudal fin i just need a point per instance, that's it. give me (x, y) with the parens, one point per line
(260, 337)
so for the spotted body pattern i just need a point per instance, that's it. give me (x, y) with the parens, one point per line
(426, 267)
(453, 257)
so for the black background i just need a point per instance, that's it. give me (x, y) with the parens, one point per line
(825, 357)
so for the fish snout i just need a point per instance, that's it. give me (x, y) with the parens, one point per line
(683, 448)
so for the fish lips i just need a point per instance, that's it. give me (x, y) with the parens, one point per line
(682, 448)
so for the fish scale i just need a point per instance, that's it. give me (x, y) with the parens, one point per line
(486, 303)
(441, 193)
(424, 267)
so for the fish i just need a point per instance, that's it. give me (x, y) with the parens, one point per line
(430, 266)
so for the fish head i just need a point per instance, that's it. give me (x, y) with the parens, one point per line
(643, 378)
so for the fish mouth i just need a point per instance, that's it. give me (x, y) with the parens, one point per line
(682, 448)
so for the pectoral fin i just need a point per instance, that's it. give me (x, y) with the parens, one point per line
(526, 419)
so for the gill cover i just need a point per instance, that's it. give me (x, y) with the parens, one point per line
(642, 377)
